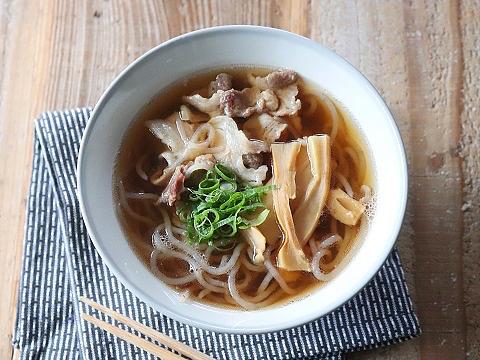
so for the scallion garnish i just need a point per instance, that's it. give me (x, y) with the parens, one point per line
(221, 205)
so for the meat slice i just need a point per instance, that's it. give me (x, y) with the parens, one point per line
(264, 127)
(174, 187)
(279, 90)
(238, 103)
(205, 162)
(267, 101)
(193, 117)
(235, 144)
(210, 106)
(245, 103)
(222, 82)
(281, 78)
(275, 80)
(252, 161)
(289, 104)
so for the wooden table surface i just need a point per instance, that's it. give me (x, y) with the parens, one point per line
(423, 56)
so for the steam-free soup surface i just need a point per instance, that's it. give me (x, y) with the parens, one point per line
(243, 187)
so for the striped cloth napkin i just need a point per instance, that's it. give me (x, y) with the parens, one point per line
(60, 264)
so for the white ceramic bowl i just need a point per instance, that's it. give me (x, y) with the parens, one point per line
(241, 45)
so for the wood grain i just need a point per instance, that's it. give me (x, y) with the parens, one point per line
(421, 55)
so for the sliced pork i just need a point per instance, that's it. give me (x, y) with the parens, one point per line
(222, 82)
(174, 187)
(275, 80)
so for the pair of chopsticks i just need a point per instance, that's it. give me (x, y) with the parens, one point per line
(141, 343)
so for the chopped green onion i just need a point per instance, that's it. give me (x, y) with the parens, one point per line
(225, 173)
(246, 223)
(220, 206)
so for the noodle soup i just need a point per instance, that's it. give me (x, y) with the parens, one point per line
(243, 187)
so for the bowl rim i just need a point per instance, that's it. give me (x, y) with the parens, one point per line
(109, 92)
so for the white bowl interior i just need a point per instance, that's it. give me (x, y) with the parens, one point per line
(218, 47)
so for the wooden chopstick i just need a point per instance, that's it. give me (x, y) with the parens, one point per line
(149, 332)
(133, 339)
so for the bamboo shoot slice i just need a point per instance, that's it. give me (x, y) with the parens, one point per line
(269, 227)
(344, 208)
(256, 241)
(314, 196)
(290, 256)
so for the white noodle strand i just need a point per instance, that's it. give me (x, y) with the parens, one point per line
(250, 266)
(124, 205)
(261, 295)
(353, 155)
(142, 196)
(366, 194)
(215, 282)
(183, 246)
(346, 185)
(317, 272)
(265, 282)
(206, 284)
(203, 293)
(333, 114)
(167, 279)
(276, 275)
(244, 283)
(330, 241)
(138, 168)
(234, 291)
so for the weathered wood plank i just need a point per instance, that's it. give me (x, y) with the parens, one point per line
(22, 80)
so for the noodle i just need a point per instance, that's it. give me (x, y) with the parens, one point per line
(366, 194)
(275, 274)
(317, 272)
(265, 282)
(346, 185)
(223, 260)
(331, 109)
(206, 284)
(138, 167)
(234, 291)
(179, 225)
(142, 196)
(244, 283)
(163, 248)
(228, 298)
(214, 282)
(261, 295)
(174, 229)
(239, 299)
(195, 255)
(350, 233)
(128, 209)
(353, 155)
(203, 293)
(330, 241)
(208, 252)
(166, 279)
(257, 268)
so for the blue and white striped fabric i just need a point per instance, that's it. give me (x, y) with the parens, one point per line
(60, 264)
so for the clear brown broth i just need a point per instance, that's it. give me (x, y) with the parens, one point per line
(139, 141)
